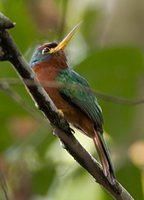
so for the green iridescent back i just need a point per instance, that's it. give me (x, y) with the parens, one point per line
(77, 90)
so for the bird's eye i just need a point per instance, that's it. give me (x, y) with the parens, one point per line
(45, 50)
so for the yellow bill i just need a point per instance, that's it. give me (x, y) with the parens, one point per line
(66, 40)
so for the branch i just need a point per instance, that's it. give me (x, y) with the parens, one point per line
(10, 52)
(3, 186)
(9, 91)
(7, 82)
(62, 23)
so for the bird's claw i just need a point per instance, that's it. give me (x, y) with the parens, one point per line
(60, 112)
(72, 130)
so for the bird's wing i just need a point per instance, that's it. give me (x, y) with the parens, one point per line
(76, 90)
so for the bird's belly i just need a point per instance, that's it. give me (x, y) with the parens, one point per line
(68, 110)
(59, 101)
(73, 114)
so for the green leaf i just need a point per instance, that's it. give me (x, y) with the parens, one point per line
(42, 179)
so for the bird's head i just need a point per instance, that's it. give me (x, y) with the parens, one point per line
(52, 50)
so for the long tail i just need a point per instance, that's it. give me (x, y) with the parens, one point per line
(104, 156)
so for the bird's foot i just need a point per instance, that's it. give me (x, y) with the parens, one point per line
(60, 112)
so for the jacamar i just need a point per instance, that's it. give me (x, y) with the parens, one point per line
(74, 98)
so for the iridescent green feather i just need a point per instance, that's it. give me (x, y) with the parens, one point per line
(78, 91)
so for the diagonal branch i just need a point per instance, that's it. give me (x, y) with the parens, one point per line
(10, 52)
(9, 91)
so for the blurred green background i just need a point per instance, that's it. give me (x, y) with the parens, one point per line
(108, 51)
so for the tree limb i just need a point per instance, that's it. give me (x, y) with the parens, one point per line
(9, 51)
(7, 82)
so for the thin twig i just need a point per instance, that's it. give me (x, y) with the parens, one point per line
(5, 87)
(54, 84)
(4, 186)
(62, 19)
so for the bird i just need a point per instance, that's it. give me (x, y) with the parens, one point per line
(73, 97)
